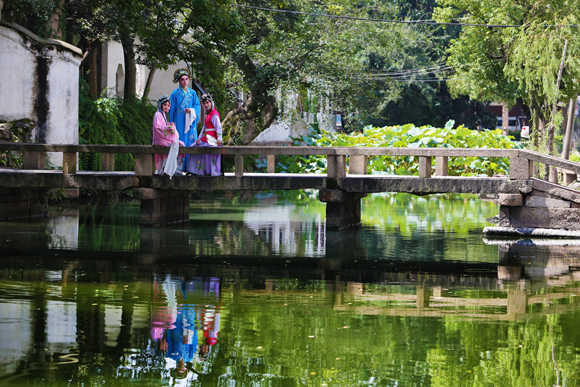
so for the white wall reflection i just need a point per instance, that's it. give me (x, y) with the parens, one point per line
(15, 334)
(285, 229)
(63, 228)
(61, 326)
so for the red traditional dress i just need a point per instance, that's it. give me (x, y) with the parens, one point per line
(208, 165)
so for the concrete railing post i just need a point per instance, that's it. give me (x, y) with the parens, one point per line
(336, 166)
(357, 164)
(69, 163)
(34, 160)
(239, 167)
(521, 168)
(271, 163)
(425, 166)
(144, 164)
(441, 166)
(553, 177)
(569, 177)
(108, 162)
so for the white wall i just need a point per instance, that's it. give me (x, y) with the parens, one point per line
(17, 74)
(113, 66)
(162, 81)
(112, 62)
(39, 80)
(63, 98)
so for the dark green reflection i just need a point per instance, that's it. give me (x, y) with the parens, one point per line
(255, 292)
(64, 327)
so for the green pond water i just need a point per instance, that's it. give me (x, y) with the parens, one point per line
(254, 291)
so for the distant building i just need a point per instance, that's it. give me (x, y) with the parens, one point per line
(516, 117)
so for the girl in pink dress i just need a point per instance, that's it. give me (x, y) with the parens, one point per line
(165, 134)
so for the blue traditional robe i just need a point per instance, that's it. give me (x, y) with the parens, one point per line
(181, 100)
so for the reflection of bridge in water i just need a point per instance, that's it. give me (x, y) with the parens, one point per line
(116, 291)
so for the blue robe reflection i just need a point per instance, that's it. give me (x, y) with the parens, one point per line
(182, 340)
(181, 100)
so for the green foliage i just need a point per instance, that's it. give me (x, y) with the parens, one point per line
(32, 14)
(516, 63)
(575, 157)
(412, 137)
(339, 60)
(15, 131)
(112, 121)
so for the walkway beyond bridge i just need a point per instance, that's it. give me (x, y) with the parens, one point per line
(525, 201)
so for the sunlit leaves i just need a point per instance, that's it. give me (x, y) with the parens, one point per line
(408, 136)
(515, 63)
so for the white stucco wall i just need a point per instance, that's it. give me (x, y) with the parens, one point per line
(111, 58)
(39, 80)
(63, 98)
(162, 81)
(17, 69)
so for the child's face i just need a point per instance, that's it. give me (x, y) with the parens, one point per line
(166, 106)
(207, 104)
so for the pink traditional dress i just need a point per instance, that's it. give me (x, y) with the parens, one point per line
(164, 135)
(208, 165)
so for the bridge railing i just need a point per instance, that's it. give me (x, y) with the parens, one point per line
(521, 161)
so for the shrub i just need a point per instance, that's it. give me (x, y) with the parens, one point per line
(112, 120)
(412, 137)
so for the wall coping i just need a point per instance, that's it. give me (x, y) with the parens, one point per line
(45, 42)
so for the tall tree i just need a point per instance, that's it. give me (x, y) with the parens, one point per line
(202, 33)
(495, 62)
(299, 48)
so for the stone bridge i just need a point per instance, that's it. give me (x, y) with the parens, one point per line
(526, 202)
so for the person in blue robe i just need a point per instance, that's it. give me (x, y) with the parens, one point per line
(184, 99)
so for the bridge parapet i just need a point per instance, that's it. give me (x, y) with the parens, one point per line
(34, 155)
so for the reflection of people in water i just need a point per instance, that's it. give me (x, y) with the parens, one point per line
(209, 317)
(180, 375)
(176, 321)
(163, 311)
(182, 340)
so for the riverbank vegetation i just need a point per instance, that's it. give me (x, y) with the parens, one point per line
(112, 120)
(402, 137)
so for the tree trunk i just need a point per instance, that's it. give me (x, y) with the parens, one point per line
(145, 96)
(89, 67)
(569, 130)
(128, 43)
(54, 22)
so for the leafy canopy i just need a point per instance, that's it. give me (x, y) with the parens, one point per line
(515, 63)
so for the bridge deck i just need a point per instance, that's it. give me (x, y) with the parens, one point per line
(118, 181)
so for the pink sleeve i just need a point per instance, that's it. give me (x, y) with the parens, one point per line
(161, 134)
